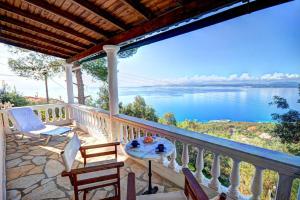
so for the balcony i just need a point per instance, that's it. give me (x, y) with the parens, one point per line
(32, 170)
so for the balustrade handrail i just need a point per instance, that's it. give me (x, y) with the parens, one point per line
(90, 109)
(264, 158)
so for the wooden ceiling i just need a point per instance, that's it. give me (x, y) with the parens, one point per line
(75, 29)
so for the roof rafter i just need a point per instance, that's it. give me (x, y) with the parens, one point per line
(45, 21)
(39, 38)
(68, 16)
(45, 32)
(30, 47)
(139, 8)
(187, 11)
(102, 13)
(33, 43)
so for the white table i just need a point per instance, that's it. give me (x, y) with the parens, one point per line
(148, 151)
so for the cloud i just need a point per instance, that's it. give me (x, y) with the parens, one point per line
(233, 78)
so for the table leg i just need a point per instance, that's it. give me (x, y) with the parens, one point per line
(151, 190)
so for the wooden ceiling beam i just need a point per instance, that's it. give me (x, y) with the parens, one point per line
(30, 47)
(45, 32)
(102, 13)
(41, 39)
(187, 11)
(33, 43)
(37, 18)
(68, 16)
(139, 8)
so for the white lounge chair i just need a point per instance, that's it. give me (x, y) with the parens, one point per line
(28, 123)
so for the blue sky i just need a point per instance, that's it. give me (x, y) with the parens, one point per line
(264, 42)
(264, 45)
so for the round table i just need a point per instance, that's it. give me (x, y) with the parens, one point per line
(148, 151)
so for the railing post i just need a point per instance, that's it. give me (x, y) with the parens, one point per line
(284, 187)
(185, 156)
(298, 192)
(215, 172)
(233, 190)
(199, 164)
(6, 122)
(257, 184)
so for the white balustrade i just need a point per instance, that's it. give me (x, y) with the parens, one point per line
(286, 165)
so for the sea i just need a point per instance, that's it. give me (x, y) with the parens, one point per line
(213, 103)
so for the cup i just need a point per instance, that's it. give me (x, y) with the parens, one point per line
(135, 143)
(161, 147)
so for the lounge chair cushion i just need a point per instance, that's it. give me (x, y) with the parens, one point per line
(70, 152)
(51, 130)
(25, 119)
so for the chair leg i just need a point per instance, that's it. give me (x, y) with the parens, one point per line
(48, 139)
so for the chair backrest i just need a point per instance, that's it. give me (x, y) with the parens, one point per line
(192, 189)
(70, 152)
(25, 120)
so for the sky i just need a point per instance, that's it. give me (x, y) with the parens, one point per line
(264, 45)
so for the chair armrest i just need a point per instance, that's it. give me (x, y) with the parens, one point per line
(99, 145)
(93, 169)
(192, 187)
(131, 194)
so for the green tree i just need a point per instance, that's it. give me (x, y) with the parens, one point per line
(168, 119)
(34, 65)
(12, 96)
(139, 109)
(288, 124)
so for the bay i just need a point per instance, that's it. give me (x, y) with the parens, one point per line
(212, 103)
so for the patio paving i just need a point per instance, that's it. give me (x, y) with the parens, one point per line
(33, 170)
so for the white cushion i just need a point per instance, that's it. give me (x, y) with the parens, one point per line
(178, 195)
(70, 152)
(25, 119)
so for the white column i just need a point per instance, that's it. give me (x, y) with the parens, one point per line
(199, 164)
(112, 62)
(69, 81)
(215, 172)
(284, 187)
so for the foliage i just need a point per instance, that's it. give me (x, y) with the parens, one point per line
(12, 96)
(139, 109)
(97, 69)
(127, 53)
(168, 119)
(34, 65)
(288, 123)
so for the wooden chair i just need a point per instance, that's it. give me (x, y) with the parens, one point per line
(93, 175)
(192, 190)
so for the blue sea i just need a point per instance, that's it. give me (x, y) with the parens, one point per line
(212, 103)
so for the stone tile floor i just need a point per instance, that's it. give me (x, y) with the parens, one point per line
(33, 170)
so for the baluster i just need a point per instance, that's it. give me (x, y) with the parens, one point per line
(199, 164)
(215, 172)
(121, 134)
(126, 134)
(173, 163)
(284, 187)
(132, 133)
(6, 122)
(39, 114)
(257, 183)
(139, 132)
(185, 155)
(298, 193)
(60, 115)
(47, 114)
(233, 190)
(53, 114)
